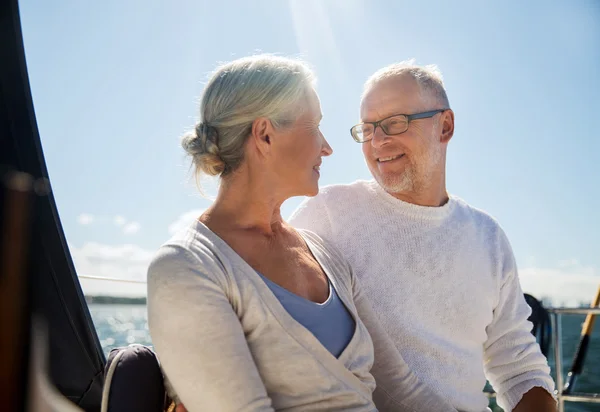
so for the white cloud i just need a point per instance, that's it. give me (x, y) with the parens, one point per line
(128, 227)
(567, 285)
(127, 261)
(184, 220)
(85, 219)
(131, 228)
(101, 252)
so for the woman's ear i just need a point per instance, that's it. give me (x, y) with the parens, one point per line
(261, 128)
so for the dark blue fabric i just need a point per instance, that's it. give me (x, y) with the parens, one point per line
(330, 321)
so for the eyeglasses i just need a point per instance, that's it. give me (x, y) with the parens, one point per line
(393, 125)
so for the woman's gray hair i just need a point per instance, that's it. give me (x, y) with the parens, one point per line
(429, 78)
(238, 93)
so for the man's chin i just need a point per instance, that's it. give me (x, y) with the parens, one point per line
(394, 184)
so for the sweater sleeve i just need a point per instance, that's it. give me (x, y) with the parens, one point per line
(312, 215)
(198, 336)
(513, 361)
(397, 387)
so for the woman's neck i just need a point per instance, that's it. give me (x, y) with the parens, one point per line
(246, 202)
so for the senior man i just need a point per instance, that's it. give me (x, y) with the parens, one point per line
(439, 273)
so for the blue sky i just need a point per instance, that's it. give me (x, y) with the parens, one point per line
(115, 84)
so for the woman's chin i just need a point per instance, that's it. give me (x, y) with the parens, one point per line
(313, 191)
(309, 190)
(307, 187)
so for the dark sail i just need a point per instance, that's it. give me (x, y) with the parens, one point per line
(76, 357)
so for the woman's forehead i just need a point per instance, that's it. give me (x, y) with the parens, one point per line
(313, 105)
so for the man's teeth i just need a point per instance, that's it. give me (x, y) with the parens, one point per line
(387, 159)
(317, 168)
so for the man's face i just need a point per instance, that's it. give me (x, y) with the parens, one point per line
(404, 163)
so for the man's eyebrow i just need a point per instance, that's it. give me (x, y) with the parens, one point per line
(390, 114)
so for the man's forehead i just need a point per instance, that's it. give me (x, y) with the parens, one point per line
(400, 94)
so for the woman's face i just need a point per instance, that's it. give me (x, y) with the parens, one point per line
(299, 150)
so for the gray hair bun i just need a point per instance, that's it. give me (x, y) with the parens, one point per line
(202, 146)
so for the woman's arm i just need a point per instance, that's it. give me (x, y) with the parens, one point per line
(199, 338)
(398, 388)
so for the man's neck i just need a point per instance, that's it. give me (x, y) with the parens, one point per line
(427, 189)
(431, 197)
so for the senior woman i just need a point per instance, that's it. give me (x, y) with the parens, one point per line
(245, 312)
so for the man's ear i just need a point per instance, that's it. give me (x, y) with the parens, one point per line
(447, 126)
(261, 129)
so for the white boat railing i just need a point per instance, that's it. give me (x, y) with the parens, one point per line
(555, 319)
(139, 282)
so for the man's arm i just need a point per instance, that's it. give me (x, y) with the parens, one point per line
(513, 361)
(537, 399)
(397, 386)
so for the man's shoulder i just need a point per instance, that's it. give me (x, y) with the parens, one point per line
(479, 216)
(342, 190)
(338, 203)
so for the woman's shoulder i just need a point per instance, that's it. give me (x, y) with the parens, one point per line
(191, 252)
(326, 252)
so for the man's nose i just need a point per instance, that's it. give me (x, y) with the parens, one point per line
(379, 138)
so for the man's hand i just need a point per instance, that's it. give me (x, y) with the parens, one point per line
(536, 400)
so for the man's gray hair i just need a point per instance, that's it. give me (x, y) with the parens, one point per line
(429, 78)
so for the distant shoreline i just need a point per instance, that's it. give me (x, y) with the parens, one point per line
(114, 300)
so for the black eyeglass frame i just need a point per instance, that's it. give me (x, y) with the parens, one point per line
(409, 118)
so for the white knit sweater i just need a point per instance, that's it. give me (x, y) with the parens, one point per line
(444, 283)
